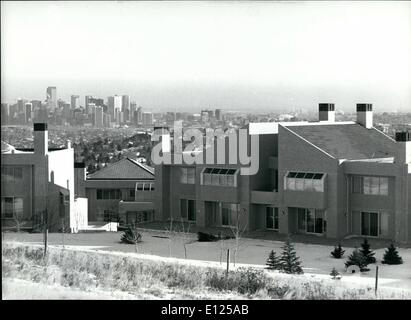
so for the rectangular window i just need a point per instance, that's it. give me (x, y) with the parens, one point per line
(369, 224)
(302, 181)
(375, 186)
(108, 194)
(229, 212)
(187, 175)
(188, 209)
(11, 173)
(219, 177)
(132, 193)
(357, 184)
(311, 220)
(11, 207)
(272, 218)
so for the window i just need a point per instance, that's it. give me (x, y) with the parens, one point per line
(302, 181)
(369, 224)
(187, 175)
(132, 193)
(108, 194)
(229, 213)
(311, 220)
(11, 173)
(219, 177)
(188, 209)
(110, 216)
(271, 218)
(11, 207)
(370, 185)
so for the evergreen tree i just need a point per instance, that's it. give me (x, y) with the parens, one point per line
(273, 261)
(391, 256)
(334, 273)
(357, 259)
(289, 260)
(338, 252)
(367, 252)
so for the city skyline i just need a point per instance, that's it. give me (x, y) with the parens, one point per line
(234, 56)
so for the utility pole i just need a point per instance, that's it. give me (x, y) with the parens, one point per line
(376, 279)
(228, 261)
(45, 231)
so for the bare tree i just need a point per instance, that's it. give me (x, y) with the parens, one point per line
(185, 236)
(170, 233)
(238, 230)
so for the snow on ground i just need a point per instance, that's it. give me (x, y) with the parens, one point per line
(316, 259)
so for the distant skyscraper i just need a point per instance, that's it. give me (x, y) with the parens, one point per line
(139, 118)
(5, 113)
(74, 101)
(114, 106)
(147, 119)
(218, 114)
(28, 112)
(52, 97)
(98, 117)
(20, 105)
(125, 107)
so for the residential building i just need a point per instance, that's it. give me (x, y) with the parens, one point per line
(326, 178)
(123, 191)
(98, 117)
(148, 119)
(74, 99)
(38, 187)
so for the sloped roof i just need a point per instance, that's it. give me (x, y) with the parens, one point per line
(348, 141)
(125, 169)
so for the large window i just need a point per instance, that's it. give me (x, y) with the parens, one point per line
(369, 224)
(370, 185)
(187, 175)
(11, 207)
(229, 213)
(311, 220)
(188, 209)
(11, 173)
(304, 181)
(219, 177)
(271, 218)
(108, 194)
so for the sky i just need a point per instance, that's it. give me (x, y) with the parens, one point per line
(230, 55)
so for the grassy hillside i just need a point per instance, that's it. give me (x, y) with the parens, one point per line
(90, 270)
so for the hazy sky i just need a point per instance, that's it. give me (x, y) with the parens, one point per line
(231, 54)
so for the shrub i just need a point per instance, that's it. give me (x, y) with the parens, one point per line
(273, 262)
(244, 280)
(338, 252)
(290, 262)
(391, 255)
(335, 274)
(357, 259)
(368, 254)
(131, 236)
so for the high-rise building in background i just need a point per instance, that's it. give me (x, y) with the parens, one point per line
(20, 105)
(139, 116)
(218, 114)
(133, 109)
(51, 97)
(98, 117)
(114, 106)
(5, 113)
(28, 112)
(125, 107)
(148, 119)
(67, 110)
(74, 101)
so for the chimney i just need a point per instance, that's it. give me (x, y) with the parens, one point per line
(403, 139)
(364, 115)
(41, 138)
(79, 179)
(326, 112)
